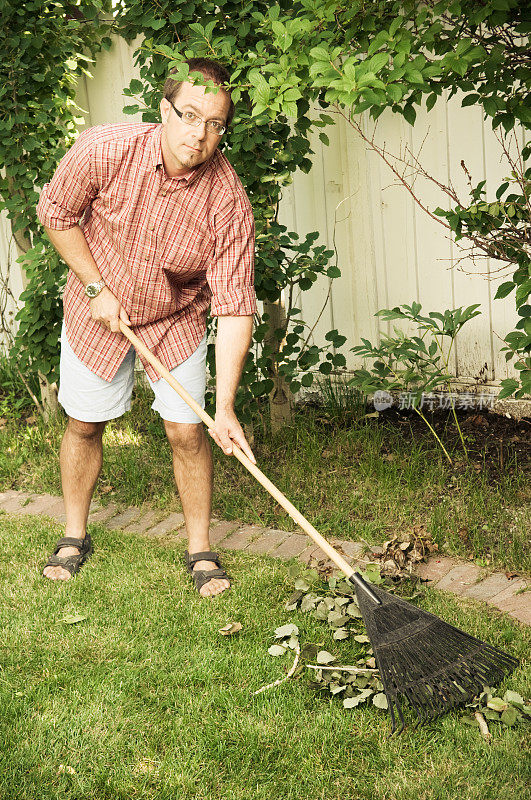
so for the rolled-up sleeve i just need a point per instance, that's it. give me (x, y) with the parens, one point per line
(64, 199)
(231, 272)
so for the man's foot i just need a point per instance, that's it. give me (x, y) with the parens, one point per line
(69, 555)
(208, 575)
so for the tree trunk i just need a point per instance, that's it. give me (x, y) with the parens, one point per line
(49, 402)
(280, 405)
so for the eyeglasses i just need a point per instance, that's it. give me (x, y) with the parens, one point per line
(189, 118)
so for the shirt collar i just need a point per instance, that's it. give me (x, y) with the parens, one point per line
(156, 154)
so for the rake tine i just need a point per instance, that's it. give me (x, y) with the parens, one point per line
(392, 713)
(418, 709)
(390, 703)
(400, 714)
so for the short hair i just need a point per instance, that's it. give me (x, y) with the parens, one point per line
(209, 69)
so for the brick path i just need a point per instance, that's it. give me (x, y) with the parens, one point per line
(444, 573)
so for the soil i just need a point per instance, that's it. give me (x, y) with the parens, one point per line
(494, 442)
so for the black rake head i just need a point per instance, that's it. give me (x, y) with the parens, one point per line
(426, 661)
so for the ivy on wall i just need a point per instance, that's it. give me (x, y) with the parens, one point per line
(45, 48)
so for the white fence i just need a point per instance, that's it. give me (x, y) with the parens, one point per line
(389, 251)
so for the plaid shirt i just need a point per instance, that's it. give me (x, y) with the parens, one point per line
(167, 248)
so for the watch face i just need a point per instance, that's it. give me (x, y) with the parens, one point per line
(93, 289)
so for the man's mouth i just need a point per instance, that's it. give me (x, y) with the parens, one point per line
(193, 148)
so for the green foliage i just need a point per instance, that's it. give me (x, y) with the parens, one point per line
(500, 230)
(40, 317)
(416, 364)
(44, 50)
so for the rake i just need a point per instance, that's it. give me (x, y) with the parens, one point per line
(422, 660)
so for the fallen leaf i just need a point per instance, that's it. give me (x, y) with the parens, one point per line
(337, 688)
(514, 699)
(324, 657)
(230, 628)
(341, 633)
(71, 619)
(497, 704)
(286, 630)
(351, 702)
(309, 651)
(380, 700)
(63, 768)
(276, 650)
(509, 716)
(293, 600)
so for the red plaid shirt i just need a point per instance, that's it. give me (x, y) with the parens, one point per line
(167, 248)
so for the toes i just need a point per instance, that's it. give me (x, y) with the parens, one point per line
(56, 574)
(213, 587)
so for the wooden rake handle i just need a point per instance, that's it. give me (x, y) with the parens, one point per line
(294, 513)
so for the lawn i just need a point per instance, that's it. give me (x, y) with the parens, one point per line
(145, 699)
(352, 476)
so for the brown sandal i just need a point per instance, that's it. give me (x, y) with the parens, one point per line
(72, 563)
(202, 576)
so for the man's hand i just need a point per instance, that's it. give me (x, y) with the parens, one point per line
(228, 430)
(106, 309)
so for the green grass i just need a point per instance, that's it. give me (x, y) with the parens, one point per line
(145, 698)
(352, 477)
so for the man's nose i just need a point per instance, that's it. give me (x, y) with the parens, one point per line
(201, 131)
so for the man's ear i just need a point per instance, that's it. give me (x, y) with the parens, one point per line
(164, 110)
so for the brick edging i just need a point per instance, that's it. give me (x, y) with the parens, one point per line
(444, 573)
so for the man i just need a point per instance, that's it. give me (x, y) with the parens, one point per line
(155, 226)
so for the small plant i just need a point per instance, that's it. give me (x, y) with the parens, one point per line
(342, 402)
(415, 364)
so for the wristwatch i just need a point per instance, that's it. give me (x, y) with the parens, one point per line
(93, 289)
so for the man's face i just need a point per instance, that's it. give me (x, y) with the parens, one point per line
(183, 146)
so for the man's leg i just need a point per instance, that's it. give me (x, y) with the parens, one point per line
(192, 467)
(81, 459)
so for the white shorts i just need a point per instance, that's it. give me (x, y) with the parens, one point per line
(89, 398)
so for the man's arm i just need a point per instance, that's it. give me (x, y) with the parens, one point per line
(74, 250)
(232, 345)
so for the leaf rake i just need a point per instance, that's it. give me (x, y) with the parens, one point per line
(421, 659)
